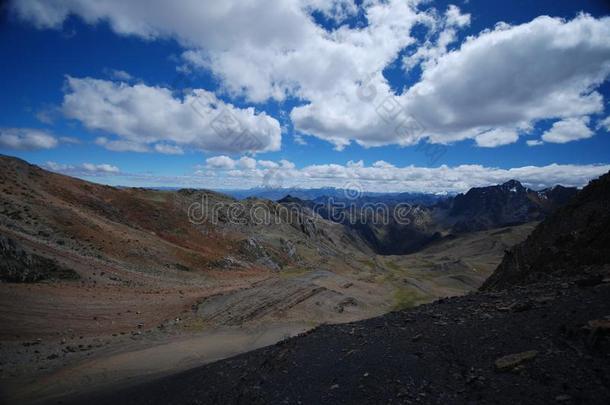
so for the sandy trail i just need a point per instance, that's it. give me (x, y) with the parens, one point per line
(134, 363)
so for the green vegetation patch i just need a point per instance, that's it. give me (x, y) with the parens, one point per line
(405, 297)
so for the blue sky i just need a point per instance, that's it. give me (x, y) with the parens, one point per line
(98, 92)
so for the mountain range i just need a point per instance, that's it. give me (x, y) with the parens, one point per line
(422, 223)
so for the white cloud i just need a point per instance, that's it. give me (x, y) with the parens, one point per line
(121, 145)
(58, 167)
(496, 137)
(268, 164)
(383, 164)
(169, 149)
(220, 162)
(121, 75)
(568, 130)
(605, 124)
(26, 139)
(455, 17)
(104, 168)
(337, 10)
(286, 164)
(506, 78)
(256, 50)
(69, 140)
(429, 52)
(83, 170)
(383, 176)
(534, 142)
(513, 76)
(380, 177)
(246, 163)
(143, 115)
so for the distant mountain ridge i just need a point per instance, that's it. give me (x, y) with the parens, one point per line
(337, 194)
(505, 204)
(428, 220)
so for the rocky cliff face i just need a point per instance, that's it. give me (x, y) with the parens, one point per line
(572, 241)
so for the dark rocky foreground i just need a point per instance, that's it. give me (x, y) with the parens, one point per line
(451, 351)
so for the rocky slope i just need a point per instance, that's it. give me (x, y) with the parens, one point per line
(164, 231)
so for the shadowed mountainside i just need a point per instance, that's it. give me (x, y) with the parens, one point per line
(575, 240)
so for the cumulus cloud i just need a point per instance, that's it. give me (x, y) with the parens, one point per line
(568, 130)
(26, 139)
(246, 163)
(512, 76)
(258, 51)
(499, 82)
(480, 87)
(220, 162)
(383, 176)
(268, 164)
(142, 116)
